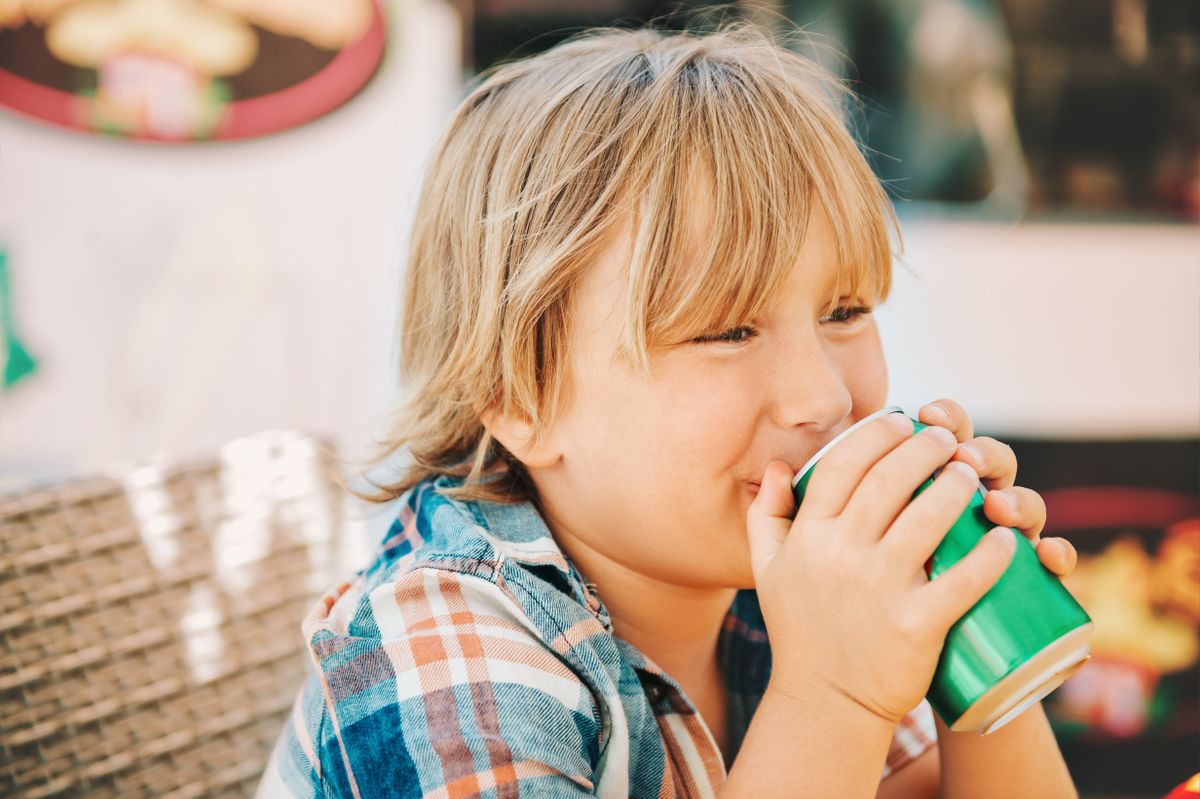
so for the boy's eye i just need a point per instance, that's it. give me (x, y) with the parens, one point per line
(733, 335)
(844, 314)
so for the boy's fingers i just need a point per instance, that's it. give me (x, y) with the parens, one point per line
(1058, 555)
(951, 594)
(922, 524)
(889, 485)
(769, 517)
(994, 461)
(841, 469)
(1022, 508)
(948, 414)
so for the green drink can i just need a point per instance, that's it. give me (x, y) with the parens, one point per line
(1018, 643)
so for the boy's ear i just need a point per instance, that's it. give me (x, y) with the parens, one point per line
(516, 434)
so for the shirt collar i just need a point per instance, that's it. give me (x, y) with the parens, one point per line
(517, 532)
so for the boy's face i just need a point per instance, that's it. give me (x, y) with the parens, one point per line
(656, 471)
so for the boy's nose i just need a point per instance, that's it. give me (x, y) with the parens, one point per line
(810, 390)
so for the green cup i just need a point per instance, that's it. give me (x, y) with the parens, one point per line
(1018, 643)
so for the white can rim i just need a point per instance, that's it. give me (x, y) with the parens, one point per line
(821, 452)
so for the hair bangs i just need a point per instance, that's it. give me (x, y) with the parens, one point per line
(727, 189)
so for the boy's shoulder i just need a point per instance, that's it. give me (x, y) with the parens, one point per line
(445, 563)
(464, 613)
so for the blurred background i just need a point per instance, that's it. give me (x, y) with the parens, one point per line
(204, 206)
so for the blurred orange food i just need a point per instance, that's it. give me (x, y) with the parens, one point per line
(1187, 790)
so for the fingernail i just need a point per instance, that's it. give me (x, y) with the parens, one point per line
(938, 412)
(899, 421)
(1008, 499)
(963, 469)
(1004, 535)
(942, 434)
(973, 452)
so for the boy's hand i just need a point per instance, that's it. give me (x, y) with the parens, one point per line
(996, 465)
(853, 619)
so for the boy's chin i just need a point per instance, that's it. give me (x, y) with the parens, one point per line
(717, 569)
(735, 572)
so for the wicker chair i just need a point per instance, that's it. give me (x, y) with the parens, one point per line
(149, 621)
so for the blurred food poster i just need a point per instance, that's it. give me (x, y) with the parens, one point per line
(182, 70)
(1129, 721)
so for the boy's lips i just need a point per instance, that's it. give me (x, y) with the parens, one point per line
(794, 466)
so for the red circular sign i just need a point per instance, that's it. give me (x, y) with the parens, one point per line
(187, 70)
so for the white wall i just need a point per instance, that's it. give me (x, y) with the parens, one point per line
(1060, 330)
(177, 297)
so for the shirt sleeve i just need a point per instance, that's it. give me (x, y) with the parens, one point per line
(437, 687)
(915, 734)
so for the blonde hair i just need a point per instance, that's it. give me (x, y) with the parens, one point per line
(537, 168)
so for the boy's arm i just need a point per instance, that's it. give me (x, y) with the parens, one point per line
(809, 746)
(1020, 759)
(920, 779)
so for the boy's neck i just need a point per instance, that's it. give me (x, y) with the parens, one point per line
(676, 627)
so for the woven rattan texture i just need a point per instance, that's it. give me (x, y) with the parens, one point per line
(149, 623)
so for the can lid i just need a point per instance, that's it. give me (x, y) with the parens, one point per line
(821, 452)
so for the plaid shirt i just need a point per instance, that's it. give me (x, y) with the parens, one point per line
(472, 658)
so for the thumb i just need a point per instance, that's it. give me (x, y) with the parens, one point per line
(769, 517)
(952, 593)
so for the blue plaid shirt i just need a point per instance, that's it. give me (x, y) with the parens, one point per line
(471, 658)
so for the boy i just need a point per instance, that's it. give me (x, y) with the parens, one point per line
(638, 299)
